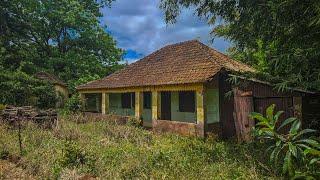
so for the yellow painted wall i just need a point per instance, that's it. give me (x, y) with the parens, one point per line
(63, 90)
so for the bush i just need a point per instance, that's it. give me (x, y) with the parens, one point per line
(20, 89)
(74, 103)
(74, 157)
(288, 147)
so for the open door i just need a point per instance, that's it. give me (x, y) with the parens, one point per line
(165, 105)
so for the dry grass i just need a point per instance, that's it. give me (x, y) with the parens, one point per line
(87, 148)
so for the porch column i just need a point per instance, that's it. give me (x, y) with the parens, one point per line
(138, 104)
(156, 110)
(82, 101)
(105, 103)
(200, 112)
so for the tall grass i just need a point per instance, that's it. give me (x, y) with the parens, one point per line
(80, 147)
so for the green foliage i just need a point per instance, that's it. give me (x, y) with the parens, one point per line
(74, 103)
(277, 37)
(82, 80)
(19, 89)
(289, 148)
(61, 37)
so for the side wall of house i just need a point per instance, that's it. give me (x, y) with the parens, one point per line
(61, 89)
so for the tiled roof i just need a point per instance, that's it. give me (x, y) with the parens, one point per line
(49, 77)
(181, 63)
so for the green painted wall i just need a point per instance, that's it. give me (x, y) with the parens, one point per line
(176, 115)
(115, 106)
(147, 115)
(212, 105)
(212, 108)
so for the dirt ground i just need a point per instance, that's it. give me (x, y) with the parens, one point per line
(10, 171)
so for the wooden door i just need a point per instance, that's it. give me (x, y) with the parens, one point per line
(165, 105)
(243, 106)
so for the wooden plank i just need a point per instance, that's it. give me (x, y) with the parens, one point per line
(243, 106)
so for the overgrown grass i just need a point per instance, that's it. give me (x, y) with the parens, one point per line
(105, 149)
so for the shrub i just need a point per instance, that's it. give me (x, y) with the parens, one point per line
(74, 103)
(2, 107)
(289, 148)
(134, 121)
(75, 157)
(19, 89)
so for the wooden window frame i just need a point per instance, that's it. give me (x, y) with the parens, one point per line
(187, 101)
(127, 100)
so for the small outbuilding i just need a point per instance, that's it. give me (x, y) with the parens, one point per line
(60, 87)
(182, 88)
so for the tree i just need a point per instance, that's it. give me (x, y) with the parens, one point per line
(19, 89)
(278, 37)
(63, 37)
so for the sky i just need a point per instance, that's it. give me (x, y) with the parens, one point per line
(139, 28)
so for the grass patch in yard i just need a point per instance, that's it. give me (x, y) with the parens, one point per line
(108, 150)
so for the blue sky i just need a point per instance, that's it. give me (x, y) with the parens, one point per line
(138, 26)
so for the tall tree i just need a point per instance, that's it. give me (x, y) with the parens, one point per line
(60, 36)
(278, 37)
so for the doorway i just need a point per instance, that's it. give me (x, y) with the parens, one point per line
(165, 105)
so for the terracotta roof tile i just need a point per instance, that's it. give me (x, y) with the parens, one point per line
(185, 62)
(49, 77)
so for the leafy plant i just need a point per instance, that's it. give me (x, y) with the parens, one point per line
(74, 104)
(289, 148)
(20, 89)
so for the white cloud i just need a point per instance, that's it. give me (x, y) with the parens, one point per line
(139, 25)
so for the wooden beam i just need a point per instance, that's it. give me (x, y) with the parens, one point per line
(297, 105)
(138, 104)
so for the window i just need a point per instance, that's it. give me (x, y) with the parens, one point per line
(127, 100)
(186, 101)
(147, 100)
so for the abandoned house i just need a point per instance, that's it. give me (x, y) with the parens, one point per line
(60, 87)
(182, 88)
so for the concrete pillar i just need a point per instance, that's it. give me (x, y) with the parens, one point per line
(200, 103)
(138, 104)
(156, 102)
(105, 103)
(82, 100)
